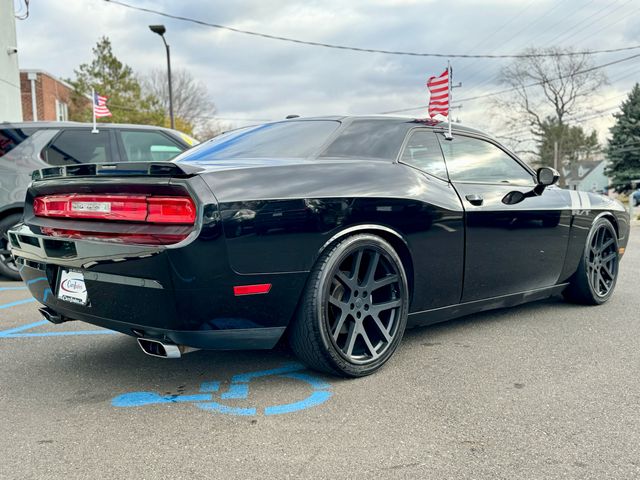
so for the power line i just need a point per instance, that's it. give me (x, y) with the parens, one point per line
(512, 89)
(526, 28)
(567, 32)
(359, 49)
(591, 33)
(572, 119)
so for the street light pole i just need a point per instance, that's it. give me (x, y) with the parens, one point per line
(160, 30)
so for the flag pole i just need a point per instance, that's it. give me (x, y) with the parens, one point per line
(93, 109)
(449, 73)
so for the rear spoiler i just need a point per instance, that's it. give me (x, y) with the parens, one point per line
(134, 169)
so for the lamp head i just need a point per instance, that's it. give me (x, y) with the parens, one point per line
(159, 29)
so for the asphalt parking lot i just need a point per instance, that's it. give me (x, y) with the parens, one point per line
(547, 390)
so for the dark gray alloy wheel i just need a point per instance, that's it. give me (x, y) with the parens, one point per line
(595, 279)
(354, 311)
(8, 267)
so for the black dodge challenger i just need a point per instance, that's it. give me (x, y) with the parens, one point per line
(339, 231)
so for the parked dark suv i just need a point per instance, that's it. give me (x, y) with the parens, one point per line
(28, 146)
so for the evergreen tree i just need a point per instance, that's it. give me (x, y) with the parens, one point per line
(109, 77)
(573, 143)
(623, 149)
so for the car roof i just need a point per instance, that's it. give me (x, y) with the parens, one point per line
(426, 122)
(83, 125)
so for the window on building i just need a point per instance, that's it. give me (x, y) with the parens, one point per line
(62, 111)
(148, 146)
(79, 146)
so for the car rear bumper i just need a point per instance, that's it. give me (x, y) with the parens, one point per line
(182, 295)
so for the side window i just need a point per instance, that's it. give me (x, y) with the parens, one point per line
(79, 146)
(10, 138)
(422, 151)
(475, 160)
(148, 146)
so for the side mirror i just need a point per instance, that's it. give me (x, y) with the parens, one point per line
(546, 176)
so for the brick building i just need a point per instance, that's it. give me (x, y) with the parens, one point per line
(44, 96)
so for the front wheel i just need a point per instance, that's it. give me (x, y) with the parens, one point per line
(354, 309)
(596, 276)
(8, 267)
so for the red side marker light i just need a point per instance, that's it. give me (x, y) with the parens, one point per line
(258, 289)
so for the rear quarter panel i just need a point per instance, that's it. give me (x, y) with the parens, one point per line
(280, 218)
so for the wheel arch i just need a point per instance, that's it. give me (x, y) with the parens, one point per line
(393, 237)
(612, 218)
(11, 209)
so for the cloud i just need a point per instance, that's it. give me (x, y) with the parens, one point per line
(253, 77)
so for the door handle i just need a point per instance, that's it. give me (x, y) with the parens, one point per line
(475, 199)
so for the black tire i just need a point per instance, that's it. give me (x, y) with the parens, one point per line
(8, 267)
(596, 276)
(350, 321)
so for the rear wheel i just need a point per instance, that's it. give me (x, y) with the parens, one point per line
(354, 310)
(8, 267)
(594, 281)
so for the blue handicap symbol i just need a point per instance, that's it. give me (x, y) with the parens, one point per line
(238, 390)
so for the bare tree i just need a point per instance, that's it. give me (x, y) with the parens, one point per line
(191, 101)
(213, 128)
(546, 90)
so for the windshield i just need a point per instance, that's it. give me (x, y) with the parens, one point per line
(298, 139)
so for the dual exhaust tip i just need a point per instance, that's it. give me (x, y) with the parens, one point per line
(156, 348)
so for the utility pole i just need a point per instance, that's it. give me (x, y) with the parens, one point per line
(555, 160)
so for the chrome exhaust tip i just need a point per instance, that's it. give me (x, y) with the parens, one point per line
(51, 315)
(156, 348)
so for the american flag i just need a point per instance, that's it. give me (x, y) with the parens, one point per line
(439, 89)
(100, 106)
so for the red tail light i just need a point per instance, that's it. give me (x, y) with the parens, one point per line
(127, 208)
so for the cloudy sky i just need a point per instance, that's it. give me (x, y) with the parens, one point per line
(255, 78)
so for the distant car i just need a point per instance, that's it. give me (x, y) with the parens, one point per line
(29, 146)
(340, 230)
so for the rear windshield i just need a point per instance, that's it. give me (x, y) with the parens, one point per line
(297, 139)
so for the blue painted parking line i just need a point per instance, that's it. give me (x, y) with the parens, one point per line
(16, 303)
(7, 289)
(238, 390)
(18, 332)
(7, 333)
(60, 334)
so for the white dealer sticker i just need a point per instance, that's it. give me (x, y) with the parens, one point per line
(72, 288)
